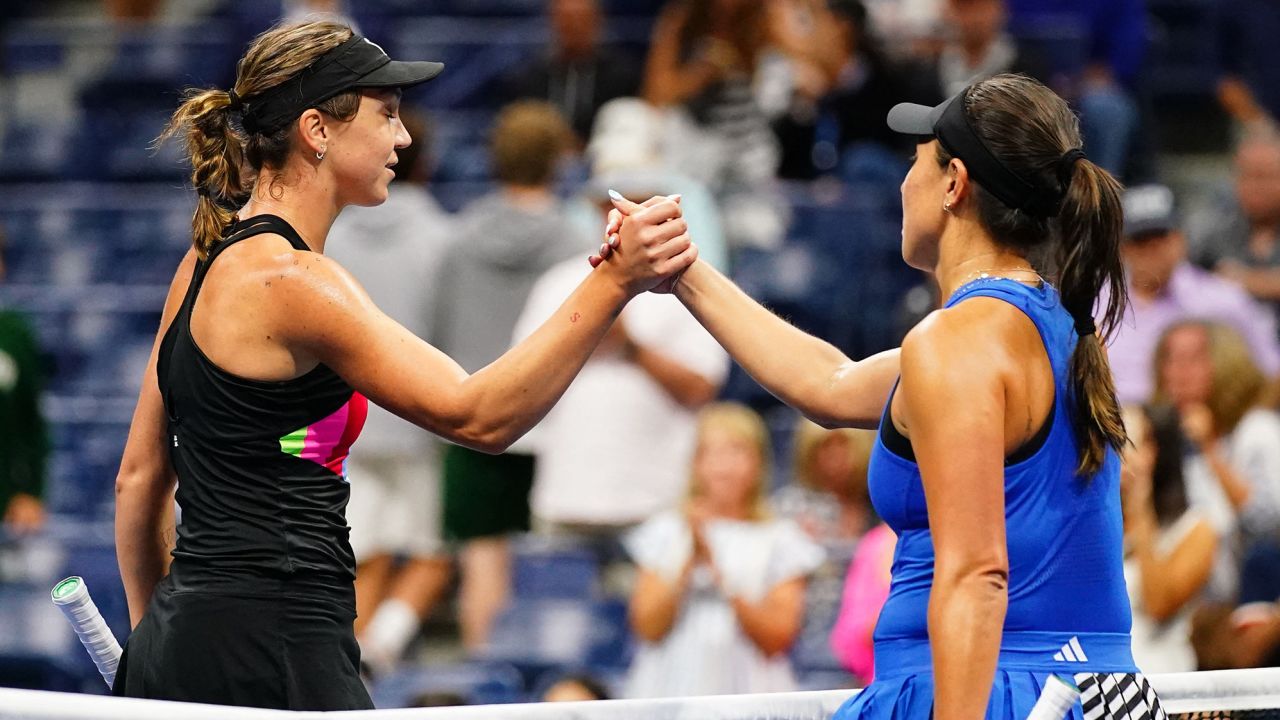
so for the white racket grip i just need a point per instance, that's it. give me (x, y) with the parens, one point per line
(72, 597)
(1056, 699)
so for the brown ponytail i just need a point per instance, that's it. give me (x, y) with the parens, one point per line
(217, 156)
(1031, 131)
(225, 159)
(1090, 224)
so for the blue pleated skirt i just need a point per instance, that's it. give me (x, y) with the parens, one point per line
(910, 697)
(903, 689)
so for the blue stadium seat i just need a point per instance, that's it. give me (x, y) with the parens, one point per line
(478, 683)
(1183, 61)
(37, 149)
(35, 642)
(541, 635)
(85, 460)
(550, 572)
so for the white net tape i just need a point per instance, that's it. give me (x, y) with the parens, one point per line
(1180, 693)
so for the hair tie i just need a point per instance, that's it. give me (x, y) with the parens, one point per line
(236, 103)
(203, 191)
(1067, 164)
(1085, 326)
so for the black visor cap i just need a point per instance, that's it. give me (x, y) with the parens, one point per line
(949, 123)
(356, 63)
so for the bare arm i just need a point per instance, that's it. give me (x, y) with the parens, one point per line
(145, 483)
(773, 623)
(685, 386)
(953, 400)
(655, 603)
(1239, 101)
(1170, 580)
(668, 80)
(805, 372)
(324, 311)
(1262, 283)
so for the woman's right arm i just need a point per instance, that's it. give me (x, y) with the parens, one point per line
(145, 483)
(655, 603)
(807, 373)
(668, 80)
(1169, 580)
(319, 309)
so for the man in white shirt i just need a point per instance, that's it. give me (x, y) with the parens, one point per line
(616, 449)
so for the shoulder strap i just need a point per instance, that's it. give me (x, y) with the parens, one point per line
(258, 225)
(243, 230)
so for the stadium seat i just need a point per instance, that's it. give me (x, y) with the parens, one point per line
(477, 683)
(545, 634)
(550, 571)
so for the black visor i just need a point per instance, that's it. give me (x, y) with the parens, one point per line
(356, 63)
(949, 123)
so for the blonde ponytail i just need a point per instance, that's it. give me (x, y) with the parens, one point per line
(216, 152)
(225, 160)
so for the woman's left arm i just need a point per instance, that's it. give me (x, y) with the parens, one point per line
(953, 393)
(773, 623)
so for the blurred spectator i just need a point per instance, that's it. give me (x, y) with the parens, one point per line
(577, 687)
(909, 27)
(628, 154)
(1204, 370)
(394, 250)
(720, 594)
(578, 74)
(650, 375)
(865, 589)
(1164, 288)
(437, 698)
(705, 68)
(506, 241)
(133, 9)
(978, 46)
(1115, 36)
(24, 440)
(827, 496)
(860, 86)
(1169, 544)
(302, 10)
(1249, 88)
(1241, 238)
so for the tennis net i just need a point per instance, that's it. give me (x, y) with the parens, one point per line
(1219, 695)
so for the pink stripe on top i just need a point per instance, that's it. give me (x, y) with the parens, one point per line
(328, 441)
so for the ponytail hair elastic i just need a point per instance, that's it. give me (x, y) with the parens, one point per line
(1085, 326)
(1067, 164)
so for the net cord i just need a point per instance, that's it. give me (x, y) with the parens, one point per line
(1180, 693)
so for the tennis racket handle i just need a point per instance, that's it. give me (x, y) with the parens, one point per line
(1056, 700)
(72, 597)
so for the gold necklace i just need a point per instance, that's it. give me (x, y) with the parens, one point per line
(988, 275)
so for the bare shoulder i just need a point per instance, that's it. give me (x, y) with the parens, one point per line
(978, 335)
(292, 293)
(273, 270)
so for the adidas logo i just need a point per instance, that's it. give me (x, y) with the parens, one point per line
(1071, 652)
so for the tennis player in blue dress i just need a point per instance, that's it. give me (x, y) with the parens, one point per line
(996, 462)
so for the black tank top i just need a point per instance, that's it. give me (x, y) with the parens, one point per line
(262, 488)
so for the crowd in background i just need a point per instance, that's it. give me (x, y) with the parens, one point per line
(675, 492)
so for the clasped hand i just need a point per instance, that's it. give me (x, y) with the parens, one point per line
(648, 242)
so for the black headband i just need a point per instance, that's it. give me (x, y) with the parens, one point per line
(957, 135)
(355, 63)
(950, 124)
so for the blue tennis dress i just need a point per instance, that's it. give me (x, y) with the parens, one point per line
(1068, 611)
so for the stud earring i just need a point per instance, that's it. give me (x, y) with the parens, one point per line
(946, 207)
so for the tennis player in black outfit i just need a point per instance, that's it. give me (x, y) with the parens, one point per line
(258, 382)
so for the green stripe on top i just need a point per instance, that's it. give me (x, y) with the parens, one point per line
(293, 443)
